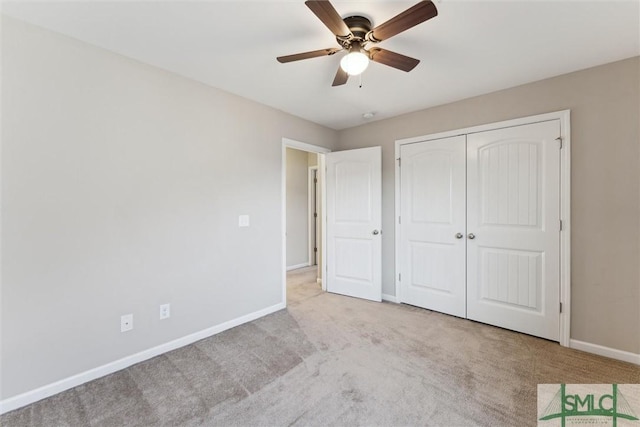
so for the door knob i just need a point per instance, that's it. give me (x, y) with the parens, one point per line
(375, 232)
(471, 236)
(459, 235)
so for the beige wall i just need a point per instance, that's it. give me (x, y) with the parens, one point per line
(605, 202)
(121, 190)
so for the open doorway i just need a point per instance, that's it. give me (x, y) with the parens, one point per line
(302, 210)
(350, 252)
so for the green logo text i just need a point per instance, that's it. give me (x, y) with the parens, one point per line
(563, 406)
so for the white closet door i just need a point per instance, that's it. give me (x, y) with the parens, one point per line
(513, 230)
(432, 227)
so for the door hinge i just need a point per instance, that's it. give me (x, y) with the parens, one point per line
(399, 162)
(559, 139)
(315, 180)
(399, 220)
(315, 249)
(399, 277)
(315, 214)
(560, 307)
(560, 225)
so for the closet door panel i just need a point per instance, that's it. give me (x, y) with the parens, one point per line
(513, 230)
(432, 228)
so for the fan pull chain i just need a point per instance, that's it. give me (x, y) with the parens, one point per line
(360, 85)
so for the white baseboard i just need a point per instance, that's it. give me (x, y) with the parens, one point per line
(40, 393)
(600, 350)
(297, 266)
(390, 298)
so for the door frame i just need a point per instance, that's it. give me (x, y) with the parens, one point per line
(310, 148)
(312, 196)
(565, 201)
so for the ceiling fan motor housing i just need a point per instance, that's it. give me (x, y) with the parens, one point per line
(359, 26)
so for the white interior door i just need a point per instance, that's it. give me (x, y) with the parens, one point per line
(353, 232)
(432, 225)
(513, 227)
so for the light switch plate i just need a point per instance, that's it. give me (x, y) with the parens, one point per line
(243, 221)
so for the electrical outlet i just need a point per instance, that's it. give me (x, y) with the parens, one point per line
(165, 311)
(243, 221)
(126, 322)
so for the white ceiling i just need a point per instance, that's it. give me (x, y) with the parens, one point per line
(470, 48)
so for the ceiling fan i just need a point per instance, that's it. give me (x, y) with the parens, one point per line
(354, 34)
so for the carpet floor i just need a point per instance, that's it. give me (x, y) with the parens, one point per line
(333, 360)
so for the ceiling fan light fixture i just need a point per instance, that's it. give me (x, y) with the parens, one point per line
(355, 62)
(355, 31)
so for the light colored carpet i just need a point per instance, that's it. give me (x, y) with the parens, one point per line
(333, 360)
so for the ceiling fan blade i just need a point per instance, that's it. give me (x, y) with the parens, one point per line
(341, 77)
(307, 55)
(392, 59)
(329, 17)
(409, 18)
